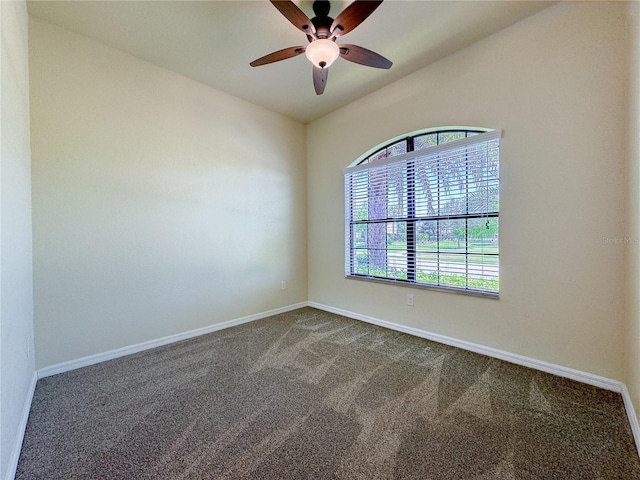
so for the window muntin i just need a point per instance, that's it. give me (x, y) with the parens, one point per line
(424, 213)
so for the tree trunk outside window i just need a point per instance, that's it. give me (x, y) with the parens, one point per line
(377, 232)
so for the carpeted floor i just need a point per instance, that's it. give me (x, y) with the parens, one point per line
(312, 395)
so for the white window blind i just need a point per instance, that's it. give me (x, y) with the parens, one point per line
(428, 217)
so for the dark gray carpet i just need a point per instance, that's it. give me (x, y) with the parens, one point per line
(312, 395)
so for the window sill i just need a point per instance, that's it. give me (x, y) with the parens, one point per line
(404, 283)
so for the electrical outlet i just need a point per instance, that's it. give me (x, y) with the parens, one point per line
(410, 299)
(283, 285)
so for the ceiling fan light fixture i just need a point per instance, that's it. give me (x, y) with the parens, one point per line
(322, 52)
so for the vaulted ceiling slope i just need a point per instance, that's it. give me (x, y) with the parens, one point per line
(213, 42)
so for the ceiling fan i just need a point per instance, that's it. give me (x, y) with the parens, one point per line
(322, 32)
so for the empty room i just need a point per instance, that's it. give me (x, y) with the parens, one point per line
(326, 240)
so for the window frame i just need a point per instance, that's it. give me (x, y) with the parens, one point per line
(411, 219)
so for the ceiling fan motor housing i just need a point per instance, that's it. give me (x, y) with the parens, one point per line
(323, 26)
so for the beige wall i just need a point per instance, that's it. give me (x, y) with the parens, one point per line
(633, 212)
(160, 205)
(556, 84)
(16, 288)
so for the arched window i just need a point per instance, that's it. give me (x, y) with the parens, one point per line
(423, 210)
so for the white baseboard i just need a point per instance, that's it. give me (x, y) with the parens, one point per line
(631, 413)
(139, 347)
(584, 377)
(22, 426)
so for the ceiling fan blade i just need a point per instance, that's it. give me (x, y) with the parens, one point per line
(320, 79)
(277, 56)
(352, 16)
(361, 55)
(296, 16)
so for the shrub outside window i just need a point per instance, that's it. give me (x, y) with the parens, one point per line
(424, 211)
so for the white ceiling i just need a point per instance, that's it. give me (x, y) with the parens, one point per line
(214, 41)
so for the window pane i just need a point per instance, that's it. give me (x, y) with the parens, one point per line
(397, 148)
(426, 233)
(453, 269)
(453, 235)
(483, 235)
(397, 193)
(445, 137)
(377, 246)
(377, 195)
(397, 250)
(358, 192)
(484, 272)
(359, 234)
(397, 235)
(425, 141)
(381, 155)
(427, 267)
(361, 262)
(483, 180)
(452, 185)
(426, 189)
